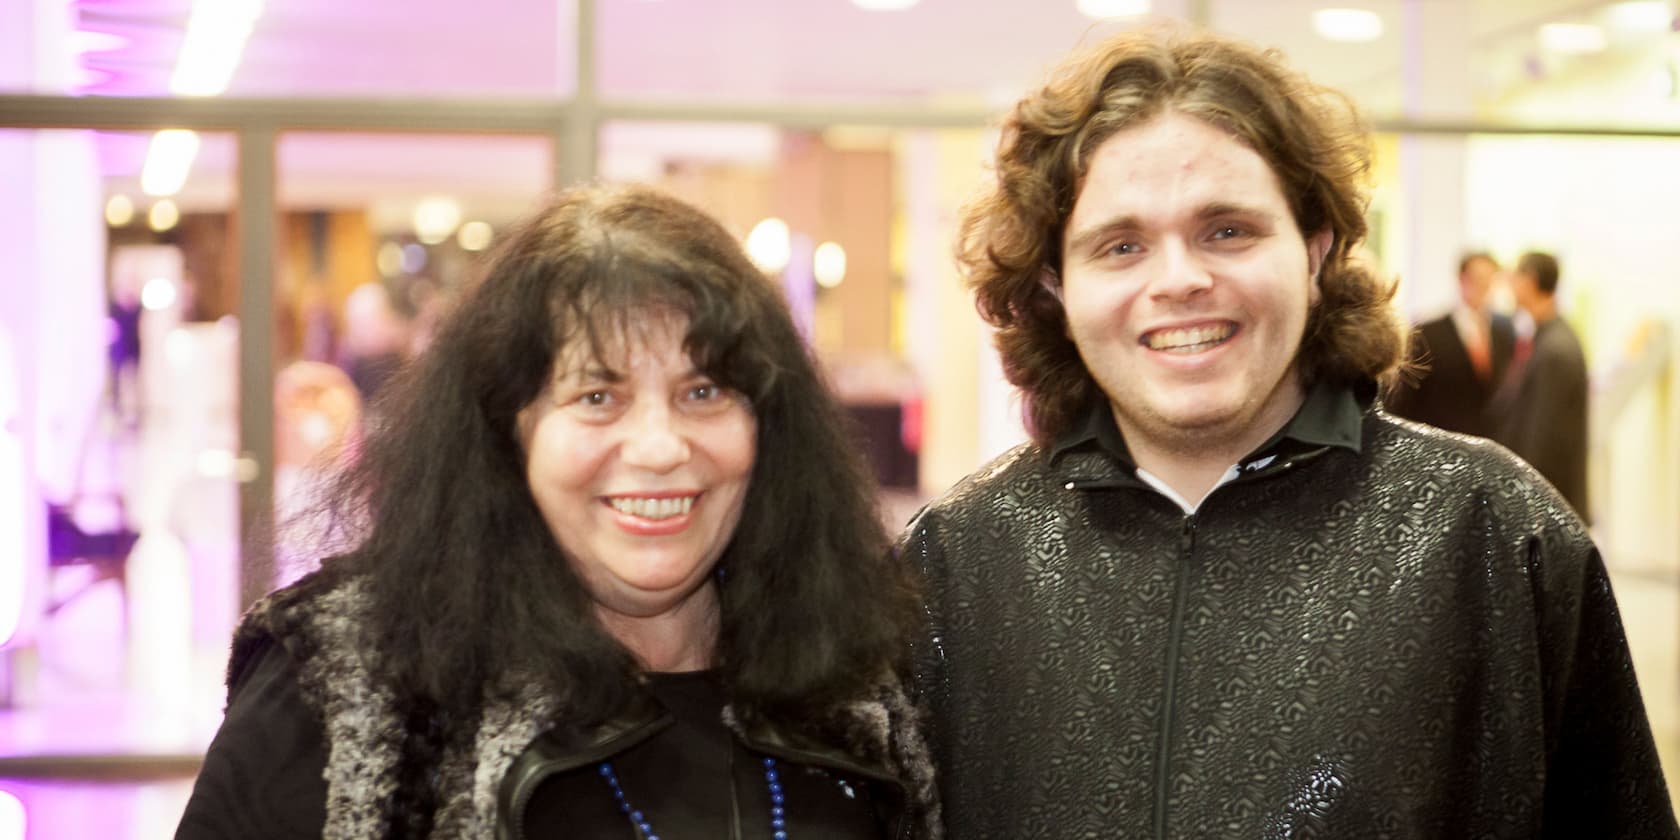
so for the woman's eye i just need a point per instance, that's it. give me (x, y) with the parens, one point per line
(701, 393)
(594, 398)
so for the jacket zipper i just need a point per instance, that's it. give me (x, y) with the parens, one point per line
(1169, 699)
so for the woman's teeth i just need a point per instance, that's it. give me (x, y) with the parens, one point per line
(652, 508)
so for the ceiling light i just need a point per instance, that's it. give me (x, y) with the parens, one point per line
(435, 219)
(828, 264)
(474, 236)
(884, 5)
(158, 293)
(1641, 16)
(770, 245)
(82, 42)
(389, 259)
(1572, 38)
(119, 210)
(163, 216)
(168, 160)
(1105, 9)
(210, 52)
(1353, 26)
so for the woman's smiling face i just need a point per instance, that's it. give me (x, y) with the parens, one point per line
(640, 465)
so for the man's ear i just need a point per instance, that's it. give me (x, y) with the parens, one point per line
(1051, 282)
(1318, 247)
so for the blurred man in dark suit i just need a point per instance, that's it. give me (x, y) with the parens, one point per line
(1461, 358)
(1541, 411)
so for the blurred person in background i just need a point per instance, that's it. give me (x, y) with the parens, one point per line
(375, 341)
(1459, 359)
(621, 577)
(1222, 593)
(1542, 410)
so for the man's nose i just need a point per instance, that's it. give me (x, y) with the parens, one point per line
(1178, 272)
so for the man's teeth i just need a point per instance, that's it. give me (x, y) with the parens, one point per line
(1189, 340)
(652, 508)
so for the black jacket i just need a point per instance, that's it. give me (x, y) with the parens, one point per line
(1448, 393)
(328, 730)
(1545, 422)
(1377, 630)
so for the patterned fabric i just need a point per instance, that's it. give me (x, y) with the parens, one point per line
(317, 620)
(1414, 640)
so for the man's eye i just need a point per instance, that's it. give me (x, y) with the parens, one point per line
(1229, 232)
(595, 398)
(1123, 248)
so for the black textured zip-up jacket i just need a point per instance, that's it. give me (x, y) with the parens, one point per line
(1377, 630)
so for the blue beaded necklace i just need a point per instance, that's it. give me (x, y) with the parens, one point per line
(778, 816)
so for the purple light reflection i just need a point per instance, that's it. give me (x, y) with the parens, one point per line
(13, 820)
(53, 809)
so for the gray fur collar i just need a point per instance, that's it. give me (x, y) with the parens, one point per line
(340, 677)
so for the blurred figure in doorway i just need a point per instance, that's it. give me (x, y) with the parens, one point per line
(1541, 411)
(375, 341)
(1460, 357)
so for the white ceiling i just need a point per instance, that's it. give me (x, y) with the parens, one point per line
(964, 52)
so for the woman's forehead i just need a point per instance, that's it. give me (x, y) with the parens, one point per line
(623, 340)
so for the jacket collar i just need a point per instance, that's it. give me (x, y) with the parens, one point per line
(1330, 416)
(559, 750)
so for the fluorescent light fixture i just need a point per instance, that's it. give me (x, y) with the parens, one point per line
(119, 210)
(1641, 16)
(1104, 9)
(770, 245)
(168, 160)
(82, 42)
(1352, 26)
(215, 39)
(163, 216)
(1575, 38)
(884, 5)
(828, 264)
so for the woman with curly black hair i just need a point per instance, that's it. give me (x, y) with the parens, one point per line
(618, 573)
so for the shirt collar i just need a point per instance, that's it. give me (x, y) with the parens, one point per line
(1330, 415)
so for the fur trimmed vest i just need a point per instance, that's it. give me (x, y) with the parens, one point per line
(342, 680)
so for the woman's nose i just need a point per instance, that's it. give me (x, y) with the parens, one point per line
(654, 440)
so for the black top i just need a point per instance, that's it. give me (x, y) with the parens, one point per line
(680, 780)
(262, 776)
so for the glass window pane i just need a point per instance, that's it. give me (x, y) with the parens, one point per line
(119, 562)
(379, 234)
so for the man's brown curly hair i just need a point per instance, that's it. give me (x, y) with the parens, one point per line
(1312, 138)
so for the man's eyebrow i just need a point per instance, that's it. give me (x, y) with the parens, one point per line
(1084, 238)
(1228, 208)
